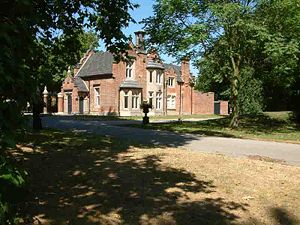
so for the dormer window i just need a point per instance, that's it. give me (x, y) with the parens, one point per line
(129, 66)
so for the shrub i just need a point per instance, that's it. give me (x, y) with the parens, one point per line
(12, 183)
(250, 93)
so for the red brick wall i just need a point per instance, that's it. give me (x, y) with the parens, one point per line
(192, 101)
(223, 107)
(172, 91)
(68, 85)
(109, 87)
(108, 96)
(203, 103)
(186, 99)
(185, 70)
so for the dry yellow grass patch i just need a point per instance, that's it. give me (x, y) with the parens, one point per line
(265, 192)
(77, 179)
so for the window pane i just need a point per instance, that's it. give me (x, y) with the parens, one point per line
(97, 96)
(128, 70)
(126, 102)
(136, 102)
(132, 102)
(150, 77)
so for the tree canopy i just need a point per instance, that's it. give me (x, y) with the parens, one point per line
(237, 45)
(32, 30)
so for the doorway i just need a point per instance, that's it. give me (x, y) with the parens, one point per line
(69, 99)
(81, 105)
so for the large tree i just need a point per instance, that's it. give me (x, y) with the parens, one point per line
(201, 28)
(278, 64)
(57, 59)
(38, 38)
(28, 31)
(272, 63)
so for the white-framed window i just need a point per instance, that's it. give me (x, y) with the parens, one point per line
(171, 82)
(97, 96)
(158, 77)
(150, 99)
(135, 100)
(158, 102)
(150, 76)
(126, 100)
(129, 70)
(171, 102)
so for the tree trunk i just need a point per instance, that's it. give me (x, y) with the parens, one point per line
(36, 103)
(36, 120)
(234, 92)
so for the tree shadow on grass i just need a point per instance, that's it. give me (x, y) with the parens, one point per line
(266, 124)
(251, 124)
(280, 216)
(87, 180)
(283, 217)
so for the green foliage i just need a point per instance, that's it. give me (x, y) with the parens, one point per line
(12, 181)
(220, 31)
(250, 99)
(227, 38)
(39, 38)
(295, 102)
(277, 61)
(250, 93)
(57, 59)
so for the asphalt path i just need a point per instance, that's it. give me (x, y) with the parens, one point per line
(288, 153)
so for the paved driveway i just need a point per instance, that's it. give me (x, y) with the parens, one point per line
(290, 153)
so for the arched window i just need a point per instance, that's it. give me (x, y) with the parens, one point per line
(158, 100)
(135, 100)
(129, 66)
(158, 77)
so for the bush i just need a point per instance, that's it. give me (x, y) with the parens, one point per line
(250, 93)
(12, 183)
(296, 107)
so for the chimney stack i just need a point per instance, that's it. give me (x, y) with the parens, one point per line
(139, 40)
(185, 69)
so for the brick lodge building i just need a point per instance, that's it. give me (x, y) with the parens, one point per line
(102, 86)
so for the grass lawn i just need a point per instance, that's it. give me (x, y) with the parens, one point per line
(272, 126)
(167, 117)
(81, 179)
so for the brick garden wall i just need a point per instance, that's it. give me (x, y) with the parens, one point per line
(203, 103)
(223, 107)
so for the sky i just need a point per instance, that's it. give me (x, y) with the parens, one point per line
(143, 11)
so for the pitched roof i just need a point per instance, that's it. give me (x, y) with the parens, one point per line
(99, 63)
(177, 70)
(79, 83)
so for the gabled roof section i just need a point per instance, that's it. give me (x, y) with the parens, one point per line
(79, 83)
(99, 63)
(177, 70)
